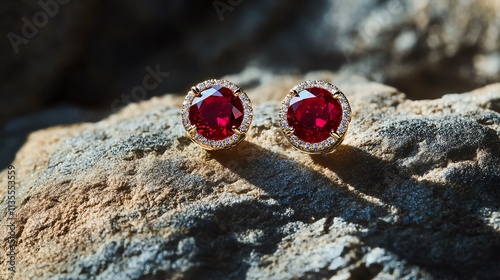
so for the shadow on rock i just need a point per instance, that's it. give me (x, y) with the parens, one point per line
(294, 193)
(437, 226)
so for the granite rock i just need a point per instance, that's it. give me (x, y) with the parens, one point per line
(412, 193)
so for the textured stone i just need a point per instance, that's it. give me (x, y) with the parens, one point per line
(412, 193)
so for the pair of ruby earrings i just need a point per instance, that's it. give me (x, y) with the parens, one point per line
(314, 116)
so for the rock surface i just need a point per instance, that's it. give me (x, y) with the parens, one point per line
(413, 192)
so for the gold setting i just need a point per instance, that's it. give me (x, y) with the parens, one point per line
(336, 137)
(239, 133)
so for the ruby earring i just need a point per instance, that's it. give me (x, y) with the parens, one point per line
(217, 114)
(315, 117)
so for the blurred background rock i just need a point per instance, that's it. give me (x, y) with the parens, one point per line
(89, 53)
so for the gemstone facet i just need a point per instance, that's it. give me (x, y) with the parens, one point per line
(315, 117)
(215, 112)
(313, 114)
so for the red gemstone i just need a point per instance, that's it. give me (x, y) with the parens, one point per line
(215, 113)
(314, 114)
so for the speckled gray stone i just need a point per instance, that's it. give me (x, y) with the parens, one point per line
(414, 192)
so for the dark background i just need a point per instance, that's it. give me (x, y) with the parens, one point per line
(85, 56)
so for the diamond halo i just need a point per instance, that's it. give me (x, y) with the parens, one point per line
(336, 135)
(239, 133)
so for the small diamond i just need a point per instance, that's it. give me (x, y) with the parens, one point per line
(220, 144)
(284, 117)
(316, 146)
(244, 128)
(284, 124)
(324, 144)
(308, 146)
(300, 143)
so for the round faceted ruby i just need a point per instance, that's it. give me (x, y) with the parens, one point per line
(313, 114)
(216, 112)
